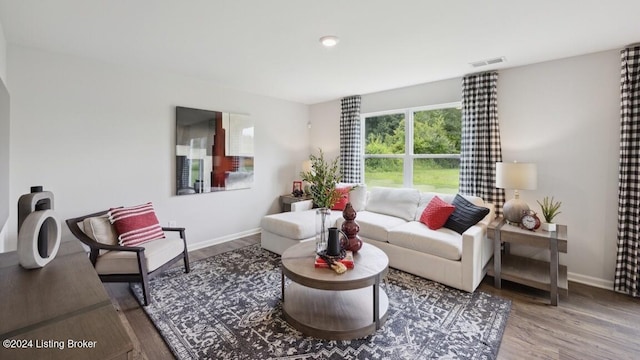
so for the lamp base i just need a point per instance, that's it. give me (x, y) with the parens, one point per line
(513, 211)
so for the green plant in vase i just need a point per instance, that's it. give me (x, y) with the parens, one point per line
(323, 178)
(550, 209)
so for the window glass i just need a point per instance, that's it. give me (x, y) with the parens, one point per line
(428, 159)
(383, 172)
(437, 131)
(384, 134)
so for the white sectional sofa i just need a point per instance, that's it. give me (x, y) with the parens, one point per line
(389, 219)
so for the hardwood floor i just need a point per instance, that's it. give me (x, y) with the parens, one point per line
(589, 323)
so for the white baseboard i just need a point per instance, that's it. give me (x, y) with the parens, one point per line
(591, 281)
(220, 240)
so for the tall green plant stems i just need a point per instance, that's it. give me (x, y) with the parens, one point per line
(550, 208)
(323, 178)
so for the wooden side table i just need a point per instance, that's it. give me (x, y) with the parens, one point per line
(288, 199)
(549, 276)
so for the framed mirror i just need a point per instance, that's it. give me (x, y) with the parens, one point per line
(214, 151)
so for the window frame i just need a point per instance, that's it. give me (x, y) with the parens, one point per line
(409, 156)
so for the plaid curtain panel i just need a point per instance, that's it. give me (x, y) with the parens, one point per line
(480, 147)
(627, 261)
(350, 143)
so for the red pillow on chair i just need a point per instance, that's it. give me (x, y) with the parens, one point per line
(136, 224)
(435, 215)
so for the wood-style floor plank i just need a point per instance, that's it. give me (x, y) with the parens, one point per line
(589, 323)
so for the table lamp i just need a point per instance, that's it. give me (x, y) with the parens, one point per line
(306, 167)
(516, 176)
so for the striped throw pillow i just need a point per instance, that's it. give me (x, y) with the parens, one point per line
(136, 224)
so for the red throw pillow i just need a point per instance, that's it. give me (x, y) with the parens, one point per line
(344, 198)
(136, 224)
(435, 215)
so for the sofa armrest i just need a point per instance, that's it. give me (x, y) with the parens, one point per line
(490, 216)
(302, 205)
(474, 243)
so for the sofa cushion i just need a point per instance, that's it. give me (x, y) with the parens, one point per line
(444, 243)
(435, 215)
(344, 198)
(465, 215)
(401, 203)
(373, 225)
(357, 195)
(426, 197)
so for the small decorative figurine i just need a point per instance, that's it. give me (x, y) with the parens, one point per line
(351, 228)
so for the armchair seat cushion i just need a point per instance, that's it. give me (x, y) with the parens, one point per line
(157, 253)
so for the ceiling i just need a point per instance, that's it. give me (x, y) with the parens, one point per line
(271, 47)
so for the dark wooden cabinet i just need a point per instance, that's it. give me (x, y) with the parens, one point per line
(61, 311)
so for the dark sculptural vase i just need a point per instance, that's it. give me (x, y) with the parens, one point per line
(351, 228)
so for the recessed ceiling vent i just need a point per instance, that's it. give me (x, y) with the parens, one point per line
(493, 61)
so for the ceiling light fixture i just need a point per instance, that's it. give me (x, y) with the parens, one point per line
(329, 41)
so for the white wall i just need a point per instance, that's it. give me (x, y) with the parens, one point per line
(563, 115)
(440, 92)
(3, 76)
(99, 135)
(3, 55)
(325, 128)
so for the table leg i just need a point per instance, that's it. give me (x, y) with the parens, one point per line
(282, 284)
(376, 302)
(553, 271)
(497, 259)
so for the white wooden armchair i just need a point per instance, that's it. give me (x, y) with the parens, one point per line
(115, 263)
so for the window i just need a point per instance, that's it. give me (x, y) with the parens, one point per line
(416, 147)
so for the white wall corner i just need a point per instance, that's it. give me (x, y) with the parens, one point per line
(3, 56)
(3, 236)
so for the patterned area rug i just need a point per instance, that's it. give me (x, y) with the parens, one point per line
(229, 307)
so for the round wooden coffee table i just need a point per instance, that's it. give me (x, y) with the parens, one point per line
(323, 304)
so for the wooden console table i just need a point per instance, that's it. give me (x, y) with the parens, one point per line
(61, 311)
(549, 276)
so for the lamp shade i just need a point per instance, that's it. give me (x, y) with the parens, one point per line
(306, 166)
(516, 176)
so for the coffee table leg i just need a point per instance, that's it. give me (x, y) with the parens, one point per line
(282, 284)
(376, 302)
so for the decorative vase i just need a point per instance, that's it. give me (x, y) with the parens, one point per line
(323, 222)
(39, 230)
(351, 228)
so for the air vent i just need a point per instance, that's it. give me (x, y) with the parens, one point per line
(498, 60)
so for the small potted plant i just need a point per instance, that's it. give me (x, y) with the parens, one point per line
(323, 178)
(550, 209)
